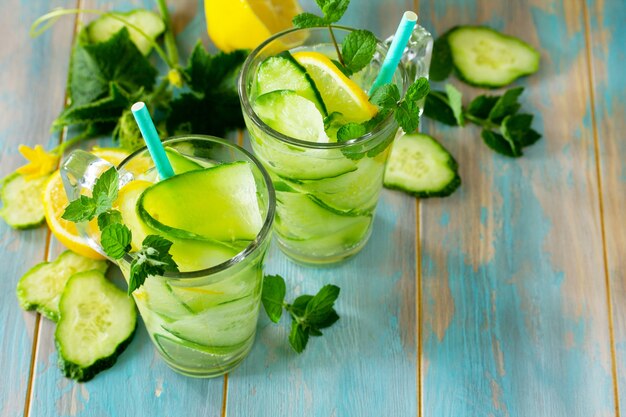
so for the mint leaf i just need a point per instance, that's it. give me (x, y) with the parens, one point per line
(386, 96)
(500, 144)
(109, 217)
(418, 90)
(80, 210)
(152, 259)
(441, 62)
(273, 296)
(358, 50)
(506, 105)
(298, 337)
(299, 305)
(350, 131)
(321, 304)
(438, 108)
(308, 20)
(206, 72)
(107, 184)
(407, 116)
(94, 66)
(455, 102)
(481, 106)
(516, 128)
(333, 9)
(115, 240)
(341, 68)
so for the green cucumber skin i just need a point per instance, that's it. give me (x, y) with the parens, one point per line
(444, 192)
(19, 226)
(461, 75)
(84, 374)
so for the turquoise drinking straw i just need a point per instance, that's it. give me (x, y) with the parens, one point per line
(150, 135)
(396, 49)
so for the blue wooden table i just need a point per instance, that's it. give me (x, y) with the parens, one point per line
(506, 299)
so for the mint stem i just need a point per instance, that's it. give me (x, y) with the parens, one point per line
(480, 122)
(332, 35)
(169, 40)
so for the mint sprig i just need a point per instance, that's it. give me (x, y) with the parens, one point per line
(115, 238)
(309, 313)
(387, 97)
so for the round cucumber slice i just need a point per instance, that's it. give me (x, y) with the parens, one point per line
(103, 28)
(283, 72)
(217, 204)
(21, 200)
(485, 57)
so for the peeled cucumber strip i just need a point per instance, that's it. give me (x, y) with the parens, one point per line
(292, 115)
(41, 287)
(217, 204)
(103, 28)
(283, 72)
(220, 326)
(486, 57)
(176, 347)
(300, 218)
(22, 206)
(97, 323)
(189, 254)
(420, 166)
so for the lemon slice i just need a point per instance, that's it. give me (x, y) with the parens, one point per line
(340, 93)
(55, 201)
(244, 24)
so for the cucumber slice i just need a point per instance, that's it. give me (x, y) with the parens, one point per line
(216, 204)
(292, 115)
(283, 72)
(159, 298)
(220, 326)
(177, 347)
(420, 166)
(98, 321)
(41, 287)
(21, 201)
(103, 28)
(485, 57)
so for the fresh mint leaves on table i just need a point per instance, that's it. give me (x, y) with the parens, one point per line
(504, 130)
(309, 313)
(115, 238)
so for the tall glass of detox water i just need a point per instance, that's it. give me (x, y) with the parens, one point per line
(218, 211)
(326, 190)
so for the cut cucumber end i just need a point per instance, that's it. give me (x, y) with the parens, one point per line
(422, 167)
(485, 57)
(22, 205)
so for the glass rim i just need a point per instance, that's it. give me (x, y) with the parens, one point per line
(247, 106)
(261, 236)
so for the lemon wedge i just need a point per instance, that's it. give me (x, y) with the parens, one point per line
(244, 24)
(339, 93)
(55, 201)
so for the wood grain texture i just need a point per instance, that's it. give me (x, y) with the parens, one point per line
(140, 383)
(32, 76)
(607, 37)
(365, 365)
(515, 317)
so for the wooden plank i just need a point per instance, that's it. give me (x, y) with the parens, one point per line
(365, 365)
(32, 73)
(607, 57)
(140, 383)
(515, 317)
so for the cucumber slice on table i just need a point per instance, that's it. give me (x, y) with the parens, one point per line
(420, 166)
(217, 204)
(41, 287)
(98, 321)
(22, 201)
(485, 57)
(283, 72)
(103, 28)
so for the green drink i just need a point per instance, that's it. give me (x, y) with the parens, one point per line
(217, 210)
(294, 100)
